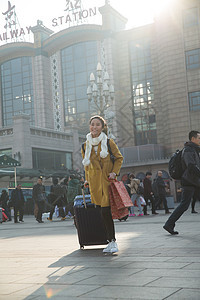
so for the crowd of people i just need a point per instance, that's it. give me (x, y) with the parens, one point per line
(60, 199)
(102, 161)
(144, 192)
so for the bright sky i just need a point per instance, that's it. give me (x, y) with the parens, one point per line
(138, 12)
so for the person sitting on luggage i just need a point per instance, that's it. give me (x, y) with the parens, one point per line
(99, 169)
(135, 197)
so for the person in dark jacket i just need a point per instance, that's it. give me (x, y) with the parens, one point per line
(17, 200)
(161, 192)
(58, 196)
(148, 193)
(4, 199)
(190, 179)
(38, 195)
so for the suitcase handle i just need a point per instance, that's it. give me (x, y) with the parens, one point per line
(84, 198)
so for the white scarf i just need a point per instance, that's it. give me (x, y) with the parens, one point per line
(102, 138)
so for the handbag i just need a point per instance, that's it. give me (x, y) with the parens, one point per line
(119, 200)
(142, 201)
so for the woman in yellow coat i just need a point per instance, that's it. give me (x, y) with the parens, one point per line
(99, 168)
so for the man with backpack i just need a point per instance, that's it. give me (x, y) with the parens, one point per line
(190, 179)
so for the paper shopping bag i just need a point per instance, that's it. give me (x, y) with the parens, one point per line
(120, 195)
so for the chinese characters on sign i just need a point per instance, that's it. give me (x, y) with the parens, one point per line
(13, 31)
(75, 14)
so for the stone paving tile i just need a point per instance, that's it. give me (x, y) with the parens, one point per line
(56, 291)
(124, 292)
(186, 259)
(193, 266)
(185, 294)
(155, 265)
(7, 289)
(189, 282)
(118, 280)
(181, 273)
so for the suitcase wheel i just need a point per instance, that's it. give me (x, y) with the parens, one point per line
(81, 247)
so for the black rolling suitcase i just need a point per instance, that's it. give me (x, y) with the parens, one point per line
(89, 224)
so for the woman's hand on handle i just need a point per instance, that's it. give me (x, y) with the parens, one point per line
(86, 184)
(112, 175)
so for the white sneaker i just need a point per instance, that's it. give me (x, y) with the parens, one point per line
(113, 247)
(107, 249)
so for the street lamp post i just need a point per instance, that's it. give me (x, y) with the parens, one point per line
(100, 92)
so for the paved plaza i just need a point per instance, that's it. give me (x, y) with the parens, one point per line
(43, 261)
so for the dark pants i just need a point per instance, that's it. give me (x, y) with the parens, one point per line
(196, 197)
(20, 209)
(40, 205)
(186, 196)
(70, 208)
(108, 222)
(146, 198)
(162, 199)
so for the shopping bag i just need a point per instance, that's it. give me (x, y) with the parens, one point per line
(142, 201)
(117, 213)
(120, 194)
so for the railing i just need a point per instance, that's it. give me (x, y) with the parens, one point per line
(50, 133)
(144, 153)
(6, 131)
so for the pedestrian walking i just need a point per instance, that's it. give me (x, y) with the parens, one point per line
(99, 170)
(190, 179)
(133, 184)
(148, 194)
(57, 198)
(4, 203)
(161, 192)
(38, 195)
(17, 200)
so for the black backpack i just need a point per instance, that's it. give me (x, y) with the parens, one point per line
(112, 157)
(175, 165)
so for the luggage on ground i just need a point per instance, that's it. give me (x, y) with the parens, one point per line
(88, 221)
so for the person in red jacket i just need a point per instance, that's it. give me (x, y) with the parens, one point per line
(148, 193)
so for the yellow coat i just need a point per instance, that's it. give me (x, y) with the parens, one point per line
(98, 171)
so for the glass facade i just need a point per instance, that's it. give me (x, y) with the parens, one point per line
(78, 62)
(194, 101)
(17, 89)
(144, 116)
(49, 159)
(190, 17)
(192, 59)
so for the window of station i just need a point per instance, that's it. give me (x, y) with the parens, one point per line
(144, 116)
(78, 62)
(192, 59)
(17, 89)
(194, 101)
(49, 159)
(6, 151)
(190, 17)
